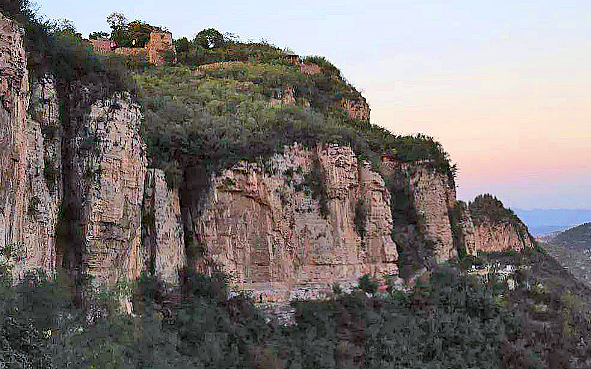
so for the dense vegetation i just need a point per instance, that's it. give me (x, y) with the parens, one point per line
(447, 321)
(487, 208)
(578, 237)
(219, 116)
(56, 48)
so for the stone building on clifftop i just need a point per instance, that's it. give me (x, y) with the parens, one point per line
(159, 42)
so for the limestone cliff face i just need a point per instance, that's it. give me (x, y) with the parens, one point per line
(14, 90)
(43, 182)
(292, 220)
(497, 228)
(500, 236)
(105, 187)
(424, 199)
(357, 108)
(465, 228)
(30, 159)
(163, 240)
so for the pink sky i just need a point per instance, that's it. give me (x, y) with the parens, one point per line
(504, 85)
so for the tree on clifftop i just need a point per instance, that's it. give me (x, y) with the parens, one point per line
(118, 24)
(98, 35)
(210, 38)
(125, 33)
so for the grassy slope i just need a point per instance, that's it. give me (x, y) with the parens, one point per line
(578, 238)
(223, 115)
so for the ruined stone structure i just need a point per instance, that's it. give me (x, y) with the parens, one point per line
(159, 41)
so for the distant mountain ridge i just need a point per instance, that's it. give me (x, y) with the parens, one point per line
(551, 220)
(578, 238)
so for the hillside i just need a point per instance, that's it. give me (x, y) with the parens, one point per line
(577, 238)
(234, 157)
(148, 213)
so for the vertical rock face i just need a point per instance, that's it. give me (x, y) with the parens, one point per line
(357, 109)
(44, 180)
(30, 158)
(423, 199)
(14, 98)
(105, 186)
(500, 236)
(497, 228)
(465, 227)
(291, 221)
(163, 238)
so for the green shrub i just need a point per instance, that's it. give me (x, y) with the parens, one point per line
(360, 218)
(368, 284)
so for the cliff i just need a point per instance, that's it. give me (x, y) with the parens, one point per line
(305, 217)
(30, 153)
(497, 228)
(285, 220)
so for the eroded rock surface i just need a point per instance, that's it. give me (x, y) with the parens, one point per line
(356, 108)
(30, 153)
(290, 222)
(501, 236)
(423, 201)
(163, 230)
(104, 191)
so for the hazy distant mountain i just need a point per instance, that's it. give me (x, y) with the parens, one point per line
(551, 220)
(575, 238)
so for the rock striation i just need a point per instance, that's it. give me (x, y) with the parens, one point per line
(501, 236)
(423, 201)
(356, 108)
(77, 199)
(108, 168)
(163, 239)
(497, 228)
(30, 153)
(291, 221)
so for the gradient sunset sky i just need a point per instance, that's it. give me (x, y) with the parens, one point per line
(505, 86)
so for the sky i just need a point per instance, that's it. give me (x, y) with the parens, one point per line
(503, 85)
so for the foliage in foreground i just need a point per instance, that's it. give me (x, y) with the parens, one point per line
(450, 321)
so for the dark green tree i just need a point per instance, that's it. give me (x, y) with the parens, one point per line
(210, 38)
(118, 24)
(98, 34)
(140, 32)
(182, 45)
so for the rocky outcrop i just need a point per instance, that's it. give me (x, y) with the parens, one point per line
(356, 108)
(163, 240)
(502, 236)
(30, 153)
(497, 228)
(105, 187)
(310, 68)
(284, 96)
(291, 221)
(44, 180)
(466, 234)
(423, 200)
(14, 90)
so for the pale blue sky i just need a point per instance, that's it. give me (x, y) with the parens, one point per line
(502, 84)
